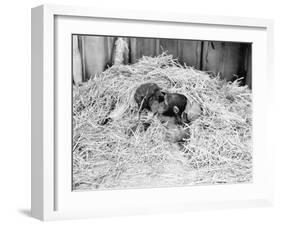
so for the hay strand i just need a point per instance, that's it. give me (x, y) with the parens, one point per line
(219, 149)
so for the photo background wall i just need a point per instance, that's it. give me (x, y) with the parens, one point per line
(231, 60)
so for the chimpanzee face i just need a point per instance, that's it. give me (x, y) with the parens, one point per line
(167, 109)
(154, 105)
(154, 101)
(162, 107)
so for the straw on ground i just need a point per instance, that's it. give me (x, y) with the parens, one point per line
(219, 149)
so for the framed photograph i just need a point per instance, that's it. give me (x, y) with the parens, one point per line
(137, 112)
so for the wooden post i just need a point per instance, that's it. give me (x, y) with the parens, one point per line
(76, 61)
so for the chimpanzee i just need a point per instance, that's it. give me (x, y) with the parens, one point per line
(148, 96)
(174, 105)
(178, 108)
(175, 110)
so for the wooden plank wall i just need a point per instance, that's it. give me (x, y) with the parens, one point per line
(228, 59)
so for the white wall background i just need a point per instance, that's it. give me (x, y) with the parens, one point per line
(15, 111)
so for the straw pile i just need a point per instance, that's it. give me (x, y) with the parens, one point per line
(111, 156)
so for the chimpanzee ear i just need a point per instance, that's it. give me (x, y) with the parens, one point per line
(176, 109)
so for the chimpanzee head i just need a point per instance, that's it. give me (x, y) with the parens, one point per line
(154, 101)
(173, 105)
(148, 96)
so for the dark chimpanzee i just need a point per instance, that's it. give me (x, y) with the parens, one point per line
(178, 107)
(174, 105)
(148, 96)
(174, 111)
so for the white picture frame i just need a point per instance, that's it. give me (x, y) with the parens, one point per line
(52, 197)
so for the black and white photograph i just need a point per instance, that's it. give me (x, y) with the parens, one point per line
(158, 112)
